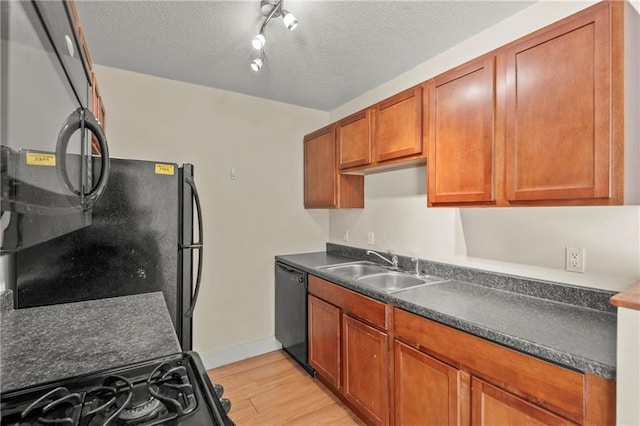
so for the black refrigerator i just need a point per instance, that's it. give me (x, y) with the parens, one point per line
(141, 240)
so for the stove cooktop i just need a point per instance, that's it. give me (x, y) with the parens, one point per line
(173, 390)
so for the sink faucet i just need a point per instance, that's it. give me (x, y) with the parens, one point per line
(393, 261)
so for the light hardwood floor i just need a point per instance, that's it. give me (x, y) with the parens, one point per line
(272, 389)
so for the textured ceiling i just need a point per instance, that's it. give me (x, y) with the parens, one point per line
(340, 50)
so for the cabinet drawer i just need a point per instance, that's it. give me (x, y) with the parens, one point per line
(369, 310)
(558, 389)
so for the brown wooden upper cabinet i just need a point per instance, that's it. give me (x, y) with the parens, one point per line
(460, 110)
(536, 122)
(97, 104)
(354, 140)
(323, 186)
(99, 111)
(560, 104)
(385, 136)
(398, 126)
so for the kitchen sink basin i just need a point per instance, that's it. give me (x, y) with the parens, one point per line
(391, 282)
(354, 269)
(378, 277)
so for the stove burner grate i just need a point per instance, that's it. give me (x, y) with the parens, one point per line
(59, 407)
(166, 391)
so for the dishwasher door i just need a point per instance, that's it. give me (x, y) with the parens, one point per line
(291, 313)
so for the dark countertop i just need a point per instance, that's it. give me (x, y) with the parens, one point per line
(53, 342)
(577, 337)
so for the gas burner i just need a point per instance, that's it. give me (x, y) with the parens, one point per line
(134, 413)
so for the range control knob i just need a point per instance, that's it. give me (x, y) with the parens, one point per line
(218, 389)
(226, 405)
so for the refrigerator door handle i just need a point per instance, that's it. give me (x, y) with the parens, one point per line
(191, 246)
(195, 246)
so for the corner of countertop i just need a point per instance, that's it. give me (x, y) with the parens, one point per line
(6, 301)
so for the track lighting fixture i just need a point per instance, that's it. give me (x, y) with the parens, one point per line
(289, 20)
(270, 9)
(257, 63)
(258, 41)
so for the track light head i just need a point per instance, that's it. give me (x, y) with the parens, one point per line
(256, 64)
(258, 41)
(290, 21)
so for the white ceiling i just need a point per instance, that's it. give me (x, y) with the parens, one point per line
(340, 50)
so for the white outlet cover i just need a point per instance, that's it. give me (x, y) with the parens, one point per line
(371, 238)
(575, 259)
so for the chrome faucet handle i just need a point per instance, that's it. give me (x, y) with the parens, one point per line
(417, 261)
(394, 259)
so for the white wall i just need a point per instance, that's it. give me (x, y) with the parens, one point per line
(247, 220)
(628, 365)
(522, 241)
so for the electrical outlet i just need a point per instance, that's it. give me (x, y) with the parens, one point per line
(370, 238)
(575, 259)
(345, 237)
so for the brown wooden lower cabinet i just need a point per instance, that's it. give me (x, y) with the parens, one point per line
(349, 348)
(485, 383)
(493, 406)
(427, 391)
(324, 340)
(430, 392)
(394, 367)
(365, 368)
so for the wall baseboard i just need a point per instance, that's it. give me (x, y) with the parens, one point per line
(239, 352)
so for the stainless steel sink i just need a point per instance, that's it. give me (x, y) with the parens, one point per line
(354, 269)
(391, 282)
(378, 277)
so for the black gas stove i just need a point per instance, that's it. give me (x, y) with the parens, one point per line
(173, 390)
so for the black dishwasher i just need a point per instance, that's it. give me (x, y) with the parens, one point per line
(291, 313)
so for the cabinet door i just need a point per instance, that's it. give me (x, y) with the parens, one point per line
(365, 359)
(558, 129)
(461, 142)
(354, 140)
(320, 174)
(398, 125)
(97, 107)
(427, 391)
(493, 406)
(324, 340)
